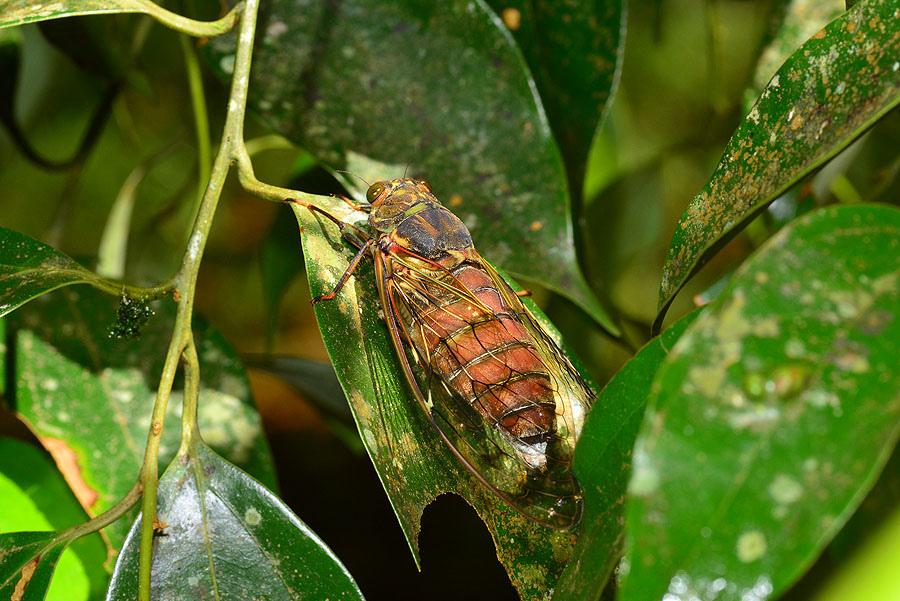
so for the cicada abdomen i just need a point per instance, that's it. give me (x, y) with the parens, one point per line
(496, 388)
(472, 340)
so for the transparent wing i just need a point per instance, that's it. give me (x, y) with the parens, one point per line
(495, 386)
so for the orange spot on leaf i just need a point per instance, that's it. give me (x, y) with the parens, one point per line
(512, 18)
(67, 462)
(27, 573)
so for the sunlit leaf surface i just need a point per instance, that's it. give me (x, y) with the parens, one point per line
(35, 497)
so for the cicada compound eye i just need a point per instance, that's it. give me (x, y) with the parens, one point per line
(374, 192)
(424, 184)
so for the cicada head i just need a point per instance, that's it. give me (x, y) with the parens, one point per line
(394, 200)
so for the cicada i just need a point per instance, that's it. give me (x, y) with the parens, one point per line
(497, 389)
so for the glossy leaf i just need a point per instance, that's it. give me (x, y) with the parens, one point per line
(773, 415)
(29, 268)
(574, 51)
(88, 397)
(603, 466)
(413, 464)
(438, 86)
(829, 92)
(27, 561)
(225, 536)
(34, 496)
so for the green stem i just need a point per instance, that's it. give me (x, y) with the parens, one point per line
(104, 519)
(200, 29)
(257, 188)
(189, 427)
(231, 149)
(137, 292)
(201, 119)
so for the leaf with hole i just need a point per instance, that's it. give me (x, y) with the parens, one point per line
(414, 465)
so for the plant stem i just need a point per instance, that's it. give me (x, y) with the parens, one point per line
(104, 519)
(137, 292)
(265, 191)
(189, 430)
(201, 119)
(231, 150)
(200, 29)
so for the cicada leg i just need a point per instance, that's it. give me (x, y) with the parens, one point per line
(337, 288)
(349, 232)
(356, 206)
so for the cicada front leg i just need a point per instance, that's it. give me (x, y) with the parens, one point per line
(351, 234)
(337, 288)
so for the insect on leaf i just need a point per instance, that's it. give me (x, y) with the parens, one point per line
(414, 464)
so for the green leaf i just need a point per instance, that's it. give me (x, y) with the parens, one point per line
(574, 52)
(773, 415)
(438, 86)
(19, 12)
(794, 21)
(412, 462)
(226, 537)
(828, 93)
(88, 397)
(29, 268)
(603, 466)
(34, 496)
(27, 561)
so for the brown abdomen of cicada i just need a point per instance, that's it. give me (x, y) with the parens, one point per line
(487, 356)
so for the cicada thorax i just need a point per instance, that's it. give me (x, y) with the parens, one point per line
(461, 328)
